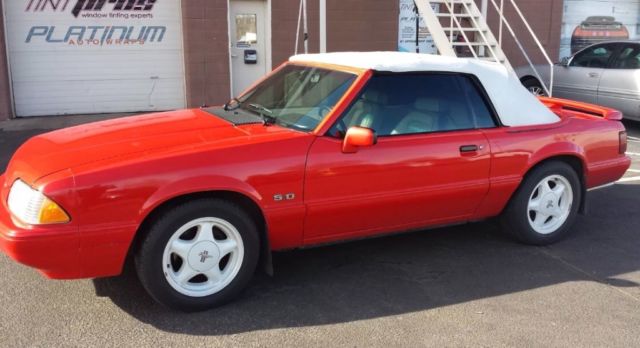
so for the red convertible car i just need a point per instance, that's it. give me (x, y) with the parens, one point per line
(326, 148)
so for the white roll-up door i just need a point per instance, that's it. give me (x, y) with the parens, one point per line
(95, 56)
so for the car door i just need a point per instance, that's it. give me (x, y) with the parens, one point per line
(579, 79)
(430, 164)
(618, 87)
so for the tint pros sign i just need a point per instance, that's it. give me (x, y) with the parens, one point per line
(95, 56)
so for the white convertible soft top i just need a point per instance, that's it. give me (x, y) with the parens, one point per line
(514, 104)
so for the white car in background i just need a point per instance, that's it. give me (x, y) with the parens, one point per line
(606, 74)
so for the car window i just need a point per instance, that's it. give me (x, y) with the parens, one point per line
(399, 104)
(297, 97)
(593, 57)
(479, 105)
(628, 58)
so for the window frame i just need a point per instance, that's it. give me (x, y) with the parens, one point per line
(608, 65)
(620, 47)
(475, 82)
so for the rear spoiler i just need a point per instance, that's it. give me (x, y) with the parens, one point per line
(558, 105)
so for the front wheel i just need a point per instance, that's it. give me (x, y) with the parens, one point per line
(545, 206)
(198, 255)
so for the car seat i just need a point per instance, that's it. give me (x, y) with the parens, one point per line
(368, 111)
(423, 118)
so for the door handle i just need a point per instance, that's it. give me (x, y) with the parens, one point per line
(468, 148)
(234, 56)
(593, 74)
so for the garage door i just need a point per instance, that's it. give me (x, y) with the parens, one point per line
(95, 56)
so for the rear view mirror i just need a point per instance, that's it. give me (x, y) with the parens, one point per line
(565, 61)
(358, 137)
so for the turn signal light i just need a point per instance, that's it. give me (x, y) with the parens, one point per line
(51, 213)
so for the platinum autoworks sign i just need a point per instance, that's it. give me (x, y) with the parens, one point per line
(95, 56)
(97, 34)
(94, 22)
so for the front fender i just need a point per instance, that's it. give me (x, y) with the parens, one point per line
(197, 184)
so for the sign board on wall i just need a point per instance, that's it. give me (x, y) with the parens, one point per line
(95, 56)
(407, 30)
(586, 22)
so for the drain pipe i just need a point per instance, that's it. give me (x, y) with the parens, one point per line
(323, 26)
(306, 29)
(298, 29)
(484, 5)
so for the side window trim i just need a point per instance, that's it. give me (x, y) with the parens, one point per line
(614, 62)
(482, 93)
(475, 82)
(345, 112)
(614, 51)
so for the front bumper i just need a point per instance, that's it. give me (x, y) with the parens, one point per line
(53, 249)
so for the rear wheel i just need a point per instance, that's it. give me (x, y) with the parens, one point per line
(198, 255)
(535, 87)
(545, 206)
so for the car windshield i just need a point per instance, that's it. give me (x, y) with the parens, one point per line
(297, 97)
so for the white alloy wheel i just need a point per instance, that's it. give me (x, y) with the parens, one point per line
(550, 204)
(537, 91)
(203, 256)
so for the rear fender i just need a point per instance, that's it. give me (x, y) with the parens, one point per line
(563, 150)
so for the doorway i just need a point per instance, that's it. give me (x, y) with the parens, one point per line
(249, 34)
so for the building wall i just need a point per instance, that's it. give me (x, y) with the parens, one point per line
(352, 25)
(356, 25)
(206, 51)
(5, 89)
(284, 19)
(544, 17)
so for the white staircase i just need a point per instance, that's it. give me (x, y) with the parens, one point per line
(459, 29)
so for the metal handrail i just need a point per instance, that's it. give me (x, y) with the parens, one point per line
(503, 20)
(478, 24)
(484, 38)
(454, 19)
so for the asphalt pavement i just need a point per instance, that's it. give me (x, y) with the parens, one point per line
(461, 286)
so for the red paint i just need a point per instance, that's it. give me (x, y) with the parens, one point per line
(109, 176)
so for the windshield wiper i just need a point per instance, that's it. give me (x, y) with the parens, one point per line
(232, 104)
(264, 113)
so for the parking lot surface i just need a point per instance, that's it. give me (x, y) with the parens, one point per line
(460, 286)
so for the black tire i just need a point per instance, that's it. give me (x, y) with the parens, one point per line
(149, 257)
(515, 218)
(534, 86)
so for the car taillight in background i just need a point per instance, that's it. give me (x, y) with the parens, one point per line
(622, 137)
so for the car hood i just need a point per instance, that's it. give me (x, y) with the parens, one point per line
(138, 135)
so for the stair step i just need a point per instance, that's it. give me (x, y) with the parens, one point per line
(454, 2)
(474, 44)
(457, 15)
(490, 59)
(464, 29)
(466, 20)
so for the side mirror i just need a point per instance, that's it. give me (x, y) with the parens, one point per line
(565, 61)
(358, 137)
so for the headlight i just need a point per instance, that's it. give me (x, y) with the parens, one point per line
(32, 207)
